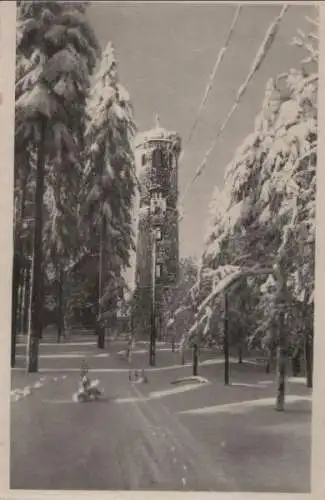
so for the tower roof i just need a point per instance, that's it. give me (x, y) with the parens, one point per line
(157, 133)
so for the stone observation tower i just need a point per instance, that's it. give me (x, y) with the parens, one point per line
(156, 154)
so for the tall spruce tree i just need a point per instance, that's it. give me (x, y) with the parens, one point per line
(109, 182)
(60, 50)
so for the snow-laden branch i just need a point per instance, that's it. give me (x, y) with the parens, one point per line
(303, 40)
(314, 22)
(229, 280)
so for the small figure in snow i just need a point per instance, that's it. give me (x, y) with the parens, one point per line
(84, 377)
(88, 390)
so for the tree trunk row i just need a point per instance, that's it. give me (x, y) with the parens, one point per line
(37, 263)
(18, 275)
(14, 307)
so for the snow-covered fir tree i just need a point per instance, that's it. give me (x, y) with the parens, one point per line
(109, 181)
(264, 218)
(56, 54)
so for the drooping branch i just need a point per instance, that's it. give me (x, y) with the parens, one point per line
(229, 280)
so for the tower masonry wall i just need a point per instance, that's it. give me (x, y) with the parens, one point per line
(157, 154)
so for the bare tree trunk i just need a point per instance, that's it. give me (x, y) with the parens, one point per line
(308, 318)
(309, 360)
(60, 312)
(241, 328)
(282, 346)
(195, 359)
(41, 306)
(153, 329)
(173, 343)
(269, 360)
(20, 247)
(37, 275)
(17, 272)
(295, 362)
(23, 301)
(20, 302)
(132, 320)
(182, 353)
(226, 340)
(240, 353)
(281, 373)
(101, 277)
(14, 306)
(26, 301)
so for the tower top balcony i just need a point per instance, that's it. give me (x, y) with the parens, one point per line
(157, 134)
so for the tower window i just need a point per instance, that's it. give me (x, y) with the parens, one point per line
(143, 159)
(157, 158)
